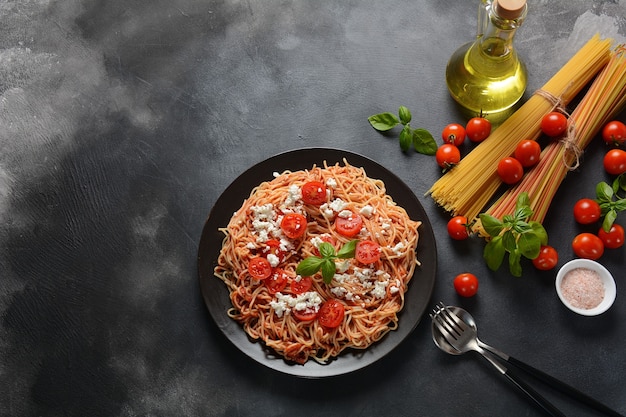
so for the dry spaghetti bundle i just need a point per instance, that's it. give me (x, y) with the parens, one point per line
(467, 188)
(284, 318)
(603, 101)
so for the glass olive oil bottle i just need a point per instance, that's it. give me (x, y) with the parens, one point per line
(487, 76)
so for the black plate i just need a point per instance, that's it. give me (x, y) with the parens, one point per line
(216, 294)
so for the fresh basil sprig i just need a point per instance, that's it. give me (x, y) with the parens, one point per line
(421, 139)
(326, 261)
(609, 200)
(515, 234)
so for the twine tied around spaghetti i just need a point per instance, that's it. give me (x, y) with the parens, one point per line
(569, 140)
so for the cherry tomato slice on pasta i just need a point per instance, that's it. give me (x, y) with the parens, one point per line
(314, 193)
(272, 247)
(293, 225)
(259, 268)
(547, 258)
(348, 225)
(277, 281)
(304, 315)
(302, 285)
(331, 314)
(367, 252)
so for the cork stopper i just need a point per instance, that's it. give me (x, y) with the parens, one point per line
(509, 9)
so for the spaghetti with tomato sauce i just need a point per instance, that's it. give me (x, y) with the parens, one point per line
(284, 221)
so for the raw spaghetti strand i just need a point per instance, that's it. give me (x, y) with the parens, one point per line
(372, 294)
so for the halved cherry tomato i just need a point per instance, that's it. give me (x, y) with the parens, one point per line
(614, 133)
(528, 152)
(302, 285)
(587, 211)
(348, 226)
(447, 156)
(367, 252)
(614, 238)
(293, 225)
(272, 247)
(466, 284)
(458, 228)
(454, 134)
(277, 281)
(547, 258)
(259, 268)
(554, 124)
(331, 313)
(304, 315)
(510, 170)
(314, 192)
(478, 129)
(615, 162)
(588, 245)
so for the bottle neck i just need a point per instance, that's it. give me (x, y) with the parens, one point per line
(498, 33)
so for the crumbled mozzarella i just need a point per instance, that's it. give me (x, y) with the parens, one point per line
(331, 182)
(345, 214)
(284, 303)
(273, 260)
(367, 211)
(338, 292)
(400, 246)
(295, 194)
(338, 205)
(380, 289)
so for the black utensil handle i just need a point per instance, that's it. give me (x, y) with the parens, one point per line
(564, 388)
(543, 403)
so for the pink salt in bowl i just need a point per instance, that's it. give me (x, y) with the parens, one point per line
(585, 287)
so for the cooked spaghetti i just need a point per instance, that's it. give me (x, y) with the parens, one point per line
(286, 319)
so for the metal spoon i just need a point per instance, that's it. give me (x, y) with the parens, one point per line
(472, 342)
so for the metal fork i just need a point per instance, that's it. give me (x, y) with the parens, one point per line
(462, 337)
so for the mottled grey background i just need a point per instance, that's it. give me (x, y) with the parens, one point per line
(121, 122)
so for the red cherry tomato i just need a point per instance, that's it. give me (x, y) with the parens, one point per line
(587, 245)
(331, 313)
(314, 193)
(547, 259)
(259, 268)
(367, 252)
(447, 156)
(272, 247)
(304, 315)
(587, 211)
(614, 133)
(478, 129)
(510, 170)
(302, 285)
(466, 284)
(348, 226)
(453, 134)
(615, 162)
(293, 225)
(614, 238)
(528, 153)
(554, 124)
(277, 281)
(458, 229)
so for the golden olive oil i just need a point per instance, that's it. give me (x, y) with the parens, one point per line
(487, 76)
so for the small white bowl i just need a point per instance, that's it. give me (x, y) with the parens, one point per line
(609, 286)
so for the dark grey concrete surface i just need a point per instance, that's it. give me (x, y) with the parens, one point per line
(122, 122)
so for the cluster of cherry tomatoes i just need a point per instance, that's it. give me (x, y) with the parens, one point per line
(476, 130)
(511, 169)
